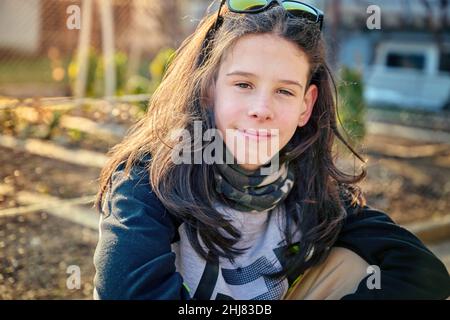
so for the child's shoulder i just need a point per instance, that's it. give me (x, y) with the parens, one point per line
(131, 196)
(136, 170)
(133, 184)
(367, 216)
(372, 234)
(358, 212)
(364, 222)
(134, 178)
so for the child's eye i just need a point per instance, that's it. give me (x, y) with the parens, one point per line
(243, 85)
(286, 92)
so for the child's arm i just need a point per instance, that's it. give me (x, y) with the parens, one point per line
(133, 258)
(408, 269)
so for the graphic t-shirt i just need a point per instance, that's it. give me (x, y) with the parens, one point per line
(263, 234)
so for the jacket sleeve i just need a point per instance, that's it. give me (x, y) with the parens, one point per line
(133, 257)
(408, 270)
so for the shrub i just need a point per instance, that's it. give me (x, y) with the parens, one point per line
(352, 108)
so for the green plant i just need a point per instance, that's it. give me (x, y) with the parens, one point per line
(73, 70)
(352, 108)
(7, 121)
(139, 85)
(76, 135)
(53, 125)
(120, 63)
(158, 67)
(95, 77)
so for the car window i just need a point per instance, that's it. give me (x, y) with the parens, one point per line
(444, 62)
(406, 60)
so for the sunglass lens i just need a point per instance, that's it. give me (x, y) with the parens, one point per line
(247, 5)
(300, 10)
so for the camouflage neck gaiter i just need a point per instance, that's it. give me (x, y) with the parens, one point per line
(250, 190)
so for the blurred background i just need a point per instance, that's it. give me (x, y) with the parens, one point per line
(74, 75)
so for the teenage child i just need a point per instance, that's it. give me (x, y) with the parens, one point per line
(255, 72)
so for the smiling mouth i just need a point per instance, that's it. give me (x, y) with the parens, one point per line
(262, 133)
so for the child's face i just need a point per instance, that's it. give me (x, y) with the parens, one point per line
(250, 94)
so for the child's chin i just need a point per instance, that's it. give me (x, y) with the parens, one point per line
(252, 159)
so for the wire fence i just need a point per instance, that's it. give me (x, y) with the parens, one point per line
(51, 48)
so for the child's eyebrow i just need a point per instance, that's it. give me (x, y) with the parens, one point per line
(249, 74)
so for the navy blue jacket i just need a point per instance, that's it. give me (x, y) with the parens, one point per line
(133, 258)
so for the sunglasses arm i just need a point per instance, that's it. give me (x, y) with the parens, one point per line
(222, 2)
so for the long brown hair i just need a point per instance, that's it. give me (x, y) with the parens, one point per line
(316, 204)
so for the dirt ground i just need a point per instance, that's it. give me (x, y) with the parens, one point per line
(36, 248)
(409, 189)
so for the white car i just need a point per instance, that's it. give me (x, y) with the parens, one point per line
(409, 75)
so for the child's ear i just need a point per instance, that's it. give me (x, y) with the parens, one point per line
(309, 100)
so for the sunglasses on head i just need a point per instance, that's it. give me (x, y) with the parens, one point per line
(294, 8)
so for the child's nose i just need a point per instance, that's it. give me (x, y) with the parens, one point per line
(261, 109)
